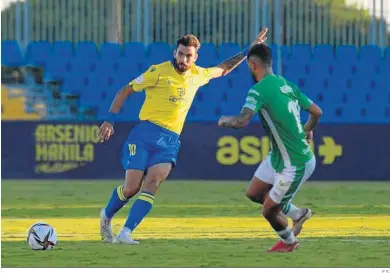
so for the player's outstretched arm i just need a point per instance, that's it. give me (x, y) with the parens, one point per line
(314, 118)
(239, 121)
(107, 128)
(228, 65)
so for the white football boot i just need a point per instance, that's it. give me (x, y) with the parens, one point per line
(124, 237)
(297, 225)
(106, 228)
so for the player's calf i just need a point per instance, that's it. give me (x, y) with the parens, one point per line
(143, 205)
(278, 221)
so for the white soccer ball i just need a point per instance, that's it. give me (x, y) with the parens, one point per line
(41, 236)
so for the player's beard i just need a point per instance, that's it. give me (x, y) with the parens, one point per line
(182, 67)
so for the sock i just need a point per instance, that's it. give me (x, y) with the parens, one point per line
(292, 211)
(117, 201)
(139, 210)
(287, 236)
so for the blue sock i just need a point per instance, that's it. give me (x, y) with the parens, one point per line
(117, 201)
(139, 210)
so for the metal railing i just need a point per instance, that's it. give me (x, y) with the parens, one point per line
(214, 21)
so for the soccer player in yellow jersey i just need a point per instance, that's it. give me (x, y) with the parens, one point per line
(152, 146)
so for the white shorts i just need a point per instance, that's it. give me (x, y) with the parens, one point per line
(287, 183)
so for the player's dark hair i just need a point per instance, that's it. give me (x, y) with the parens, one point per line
(189, 40)
(263, 52)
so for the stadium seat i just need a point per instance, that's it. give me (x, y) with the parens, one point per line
(160, 52)
(11, 54)
(62, 50)
(86, 50)
(75, 84)
(386, 55)
(301, 53)
(38, 53)
(370, 54)
(346, 53)
(323, 52)
(208, 51)
(208, 56)
(110, 51)
(228, 50)
(134, 51)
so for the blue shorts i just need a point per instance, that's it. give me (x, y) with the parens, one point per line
(149, 144)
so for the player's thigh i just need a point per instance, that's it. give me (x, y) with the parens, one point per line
(156, 174)
(288, 182)
(262, 180)
(257, 190)
(135, 157)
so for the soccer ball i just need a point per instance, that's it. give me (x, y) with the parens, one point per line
(41, 236)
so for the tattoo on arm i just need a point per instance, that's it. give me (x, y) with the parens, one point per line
(241, 120)
(231, 63)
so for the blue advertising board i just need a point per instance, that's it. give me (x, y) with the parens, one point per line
(71, 150)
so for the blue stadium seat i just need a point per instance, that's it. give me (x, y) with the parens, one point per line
(370, 54)
(75, 84)
(38, 53)
(86, 50)
(318, 68)
(323, 52)
(228, 50)
(347, 53)
(110, 51)
(207, 56)
(386, 55)
(384, 67)
(208, 50)
(83, 66)
(57, 69)
(11, 54)
(301, 53)
(160, 52)
(62, 50)
(134, 51)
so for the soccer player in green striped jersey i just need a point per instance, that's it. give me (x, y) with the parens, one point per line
(291, 161)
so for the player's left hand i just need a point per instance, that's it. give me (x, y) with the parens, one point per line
(309, 136)
(261, 37)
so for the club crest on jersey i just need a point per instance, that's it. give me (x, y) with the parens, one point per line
(181, 92)
(169, 82)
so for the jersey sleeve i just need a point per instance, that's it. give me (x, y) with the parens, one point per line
(206, 74)
(254, 100)
(303, 100)
(148, 79)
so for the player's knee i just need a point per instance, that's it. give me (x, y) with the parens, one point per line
(131, 190)
(251, 196)
(255, 197)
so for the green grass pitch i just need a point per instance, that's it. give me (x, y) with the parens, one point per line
(196, 224)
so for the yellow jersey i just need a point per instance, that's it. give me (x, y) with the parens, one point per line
(169, 94)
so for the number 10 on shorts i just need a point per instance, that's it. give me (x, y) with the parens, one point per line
(132, 149)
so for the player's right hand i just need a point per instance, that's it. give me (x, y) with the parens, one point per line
(309, 136)
(105, 131)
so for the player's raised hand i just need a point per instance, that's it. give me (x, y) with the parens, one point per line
(105, 131)
(261, 37)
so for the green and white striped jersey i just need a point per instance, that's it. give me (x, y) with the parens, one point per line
(279, 102)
